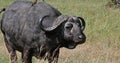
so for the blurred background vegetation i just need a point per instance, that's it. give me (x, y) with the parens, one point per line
(102, 31)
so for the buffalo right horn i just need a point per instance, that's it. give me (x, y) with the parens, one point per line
(56, 23)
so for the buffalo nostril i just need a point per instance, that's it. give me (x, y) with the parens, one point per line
(80, 37)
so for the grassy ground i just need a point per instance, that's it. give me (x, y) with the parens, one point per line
(102, 31)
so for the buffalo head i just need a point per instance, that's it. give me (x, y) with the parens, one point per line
(72, 28)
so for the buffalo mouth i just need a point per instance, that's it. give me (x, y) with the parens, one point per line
(72, 45)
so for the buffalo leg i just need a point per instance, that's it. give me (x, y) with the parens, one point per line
(54, 58)
(26, 56)
(11, 50)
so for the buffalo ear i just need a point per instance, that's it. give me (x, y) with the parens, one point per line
(83, 24)
(56, 23)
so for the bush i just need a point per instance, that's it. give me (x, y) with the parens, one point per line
(113, 3)
(116, 2)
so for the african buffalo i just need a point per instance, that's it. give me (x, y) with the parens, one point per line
(39, 30)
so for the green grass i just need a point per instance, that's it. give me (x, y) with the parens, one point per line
(102, 31)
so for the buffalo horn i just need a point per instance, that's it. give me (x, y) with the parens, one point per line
(56, 23)
(82, 23)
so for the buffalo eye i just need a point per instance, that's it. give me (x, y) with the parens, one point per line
(69, 26)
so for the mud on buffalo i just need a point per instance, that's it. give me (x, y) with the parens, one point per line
(39, 30)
